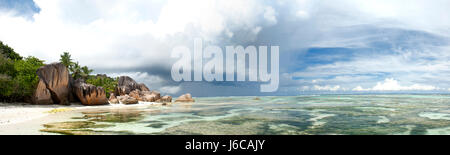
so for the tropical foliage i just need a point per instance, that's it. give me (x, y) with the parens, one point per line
(18, 78)
(8, 52)
(75, 69)
(6, 73)
(84, 72)
(107, 83)
(26, 79)
(66, 60)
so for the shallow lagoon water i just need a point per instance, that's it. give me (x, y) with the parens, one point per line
(290, 115)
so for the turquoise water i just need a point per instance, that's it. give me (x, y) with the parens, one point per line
(295, 115)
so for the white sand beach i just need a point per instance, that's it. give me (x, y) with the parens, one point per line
(23, 118)
(12, 113)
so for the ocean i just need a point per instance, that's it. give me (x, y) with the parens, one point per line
(267, 115)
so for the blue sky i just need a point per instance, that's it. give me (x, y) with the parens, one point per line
(344, 46)
(24, 8)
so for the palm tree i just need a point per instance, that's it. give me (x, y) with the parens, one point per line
(85, 71)
(66, 60)
(76, 70)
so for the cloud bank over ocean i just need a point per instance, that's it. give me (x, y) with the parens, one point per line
(325, 46)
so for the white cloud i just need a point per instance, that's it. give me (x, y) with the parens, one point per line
(415, 63)
(390, 84)
(152, 81)
(359, 88)
(304, 88)
(170, 89)
(126, 35)
(302, 14)
(326, 88)
(270, 15)
(145, 31)
(130, 34)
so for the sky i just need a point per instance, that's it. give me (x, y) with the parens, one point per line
(326, 47)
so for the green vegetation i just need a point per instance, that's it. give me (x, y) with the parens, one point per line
(75, 69)
(18, 78)
(84, 72)
(9, 52)
(107, 83)
(6, 82)
(26, 78)
(66, 60)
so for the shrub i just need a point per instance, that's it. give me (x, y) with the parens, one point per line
(6, 73)
(26, 76)
(6, 87)
(8, 52)
(107, 83)
(18, 78)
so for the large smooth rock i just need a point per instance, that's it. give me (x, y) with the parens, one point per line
(89, 94)
(126, 84)
(135, 94)
(113, 99)
(150, 96)
(125, 99)
(42, 94)
(72, 96)
(156, 93)
(185, 98)
(143, 87)
(55, 78)
(165, 99)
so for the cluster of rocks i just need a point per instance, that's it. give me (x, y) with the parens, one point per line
(56, 86)
(89, 94)
(129, 91)
(126, 85)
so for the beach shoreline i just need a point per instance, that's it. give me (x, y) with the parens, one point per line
(14, 113)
